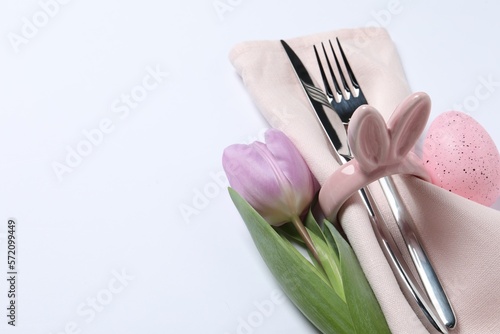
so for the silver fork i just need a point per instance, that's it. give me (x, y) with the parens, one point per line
(344, 102)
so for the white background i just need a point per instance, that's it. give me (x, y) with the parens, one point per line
(119, 209)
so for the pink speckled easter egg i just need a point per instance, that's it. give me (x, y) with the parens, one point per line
(461, 157)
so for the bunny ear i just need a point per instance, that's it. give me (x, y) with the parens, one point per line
(368, 137)
(408, 121)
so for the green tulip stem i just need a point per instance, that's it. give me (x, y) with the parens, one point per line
(297, 222)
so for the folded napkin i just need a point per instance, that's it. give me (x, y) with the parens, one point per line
(461, 237)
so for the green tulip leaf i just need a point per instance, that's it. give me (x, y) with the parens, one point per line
(330, 247)
(317, 290)
(300, 280)
(329, 265)
(311, 223)
(363, 306)
(290, 232)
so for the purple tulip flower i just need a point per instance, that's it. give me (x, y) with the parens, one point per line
(273, 177)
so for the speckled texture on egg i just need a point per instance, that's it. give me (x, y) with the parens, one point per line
(461, 157)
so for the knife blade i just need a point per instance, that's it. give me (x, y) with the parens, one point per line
(329, 120)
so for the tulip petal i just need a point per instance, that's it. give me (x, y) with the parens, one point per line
(272, 177)
(293, 166)
(251, 174)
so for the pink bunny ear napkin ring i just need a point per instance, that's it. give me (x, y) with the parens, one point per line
(378, 149)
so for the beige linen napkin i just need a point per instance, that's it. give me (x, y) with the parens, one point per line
(460, 236)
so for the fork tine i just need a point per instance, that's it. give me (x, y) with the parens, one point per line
(341, 73)
(350, 72)
(332, 74)
(328, 89)
(345, 98)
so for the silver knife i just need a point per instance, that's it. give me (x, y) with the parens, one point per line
(334, 129)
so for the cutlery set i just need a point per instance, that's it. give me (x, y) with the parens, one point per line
(360, 144)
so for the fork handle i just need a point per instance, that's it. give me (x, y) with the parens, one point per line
(428, 276)
(404, 276)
